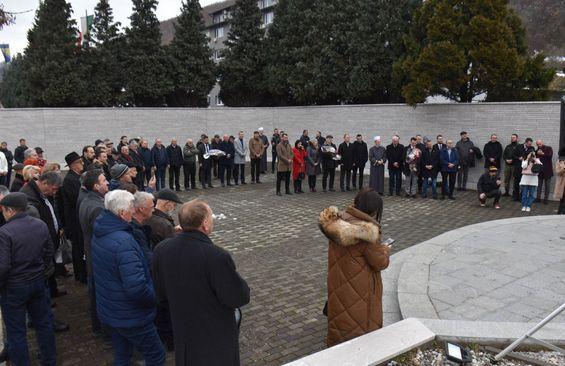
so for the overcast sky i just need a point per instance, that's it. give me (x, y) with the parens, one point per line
(16, 34)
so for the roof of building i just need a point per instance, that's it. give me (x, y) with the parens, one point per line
(168, 28)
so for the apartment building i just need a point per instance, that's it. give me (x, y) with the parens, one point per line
(217, 18)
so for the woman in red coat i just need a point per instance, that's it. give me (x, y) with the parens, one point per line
(298, 166)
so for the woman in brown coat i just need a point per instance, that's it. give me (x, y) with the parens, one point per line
(355, 261)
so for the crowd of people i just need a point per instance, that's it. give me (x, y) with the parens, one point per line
(114, 209)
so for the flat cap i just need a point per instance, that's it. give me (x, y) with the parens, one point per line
(18, 166)
(118, 170)
(15, 200)
(167, 195)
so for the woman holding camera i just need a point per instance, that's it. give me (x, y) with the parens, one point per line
(531, 166)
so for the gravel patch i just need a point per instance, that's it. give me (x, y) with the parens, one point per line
(436, 357)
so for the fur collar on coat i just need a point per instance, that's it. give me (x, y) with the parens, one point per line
(349, 227)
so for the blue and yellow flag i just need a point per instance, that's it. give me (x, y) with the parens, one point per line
(5, 48)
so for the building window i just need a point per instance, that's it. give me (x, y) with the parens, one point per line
(219, 101)
(219, 32)
(218, 55)
(262, 4)
(268, 18)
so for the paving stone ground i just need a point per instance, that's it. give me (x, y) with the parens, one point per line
(279, 250)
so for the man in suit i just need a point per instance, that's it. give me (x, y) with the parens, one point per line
(439, 146)
(69, 193)
(395, 157)
(429, 168)
(449, 158)
(346, 163)
(360, 158)
(199, 283)
(205, 162)
(239, 159)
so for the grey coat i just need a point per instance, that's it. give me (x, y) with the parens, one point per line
(88, 211)
(240, 152)
(313, 157)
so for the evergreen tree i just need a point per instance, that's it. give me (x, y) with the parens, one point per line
(461, 49)
(193, 71)
(12, 89)
(378, 43)
(288, 76)
(53, 73)
(241, 70)
(145, 64)
(103, 59)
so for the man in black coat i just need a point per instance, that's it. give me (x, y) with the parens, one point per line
(395, 157)
(19, 156)
(492, 153)
(205, 163)
(508, 156)
(346, 163)
(226, 162)
(69, 194)
(429, 167)
(489, 187)
(360, 158)
(174, 154)
(199, 283)
(40, 195)
(328, 163)
(520, 153)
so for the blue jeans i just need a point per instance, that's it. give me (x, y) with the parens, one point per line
(425, 185)
(160, 173)
(34, 299)
(145, 339)
(528, 195)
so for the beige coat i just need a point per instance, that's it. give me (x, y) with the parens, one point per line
(355, 261)
(256, 148)
(560, 179)
(285, 156)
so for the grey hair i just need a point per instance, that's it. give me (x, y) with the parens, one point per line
(51, 178)
(117, 201)
(4, 191)
(139, 198)
(28, 152)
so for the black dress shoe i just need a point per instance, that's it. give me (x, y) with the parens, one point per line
(279, 194)
(243, 183)
(288, 192)
(343, 190)
(59, 327)
(332, 190)
(348, 189)
(4, 355)
(537, 200)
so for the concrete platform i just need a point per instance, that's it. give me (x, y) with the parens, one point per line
(509, 270)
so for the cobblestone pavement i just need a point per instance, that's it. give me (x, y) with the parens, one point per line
(281, 253)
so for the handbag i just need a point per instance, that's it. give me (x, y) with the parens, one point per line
(64, 253)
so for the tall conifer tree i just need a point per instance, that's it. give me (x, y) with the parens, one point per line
(145, 64)
(241, 71)
(193, 71)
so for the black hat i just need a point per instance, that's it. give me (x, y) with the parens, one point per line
(167, 195)
(15, 200)
(98, 142)
(118, 170)
(18, 166)
(71, 158)
(38, 150)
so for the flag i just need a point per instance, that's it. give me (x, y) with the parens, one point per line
(86, 24)
(5, 48)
